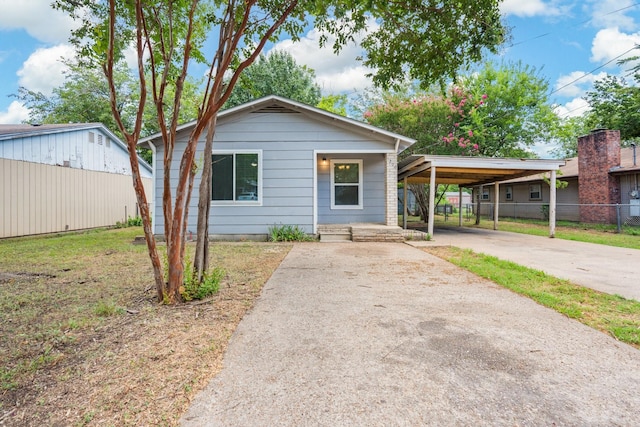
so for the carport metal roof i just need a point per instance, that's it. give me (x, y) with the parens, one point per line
(473, 172)
(470, 171)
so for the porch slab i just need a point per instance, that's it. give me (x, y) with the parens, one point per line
(361, 232)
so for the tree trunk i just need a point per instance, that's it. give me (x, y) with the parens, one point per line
(201, 258)
(421, 193)
(141, 197)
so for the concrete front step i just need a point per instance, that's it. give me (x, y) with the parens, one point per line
(359, 233)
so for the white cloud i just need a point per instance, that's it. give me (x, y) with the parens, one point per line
(16, 113)
(44, 70)
(613, 13)
(574, 108)
(334, 73)
(609, 43)
(576, 83)
(37, 18)
(530, 8)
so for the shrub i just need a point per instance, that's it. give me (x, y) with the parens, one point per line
(288, 233)
(193, 289)
(130, 222)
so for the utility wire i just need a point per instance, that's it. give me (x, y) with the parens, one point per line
(575, 25)
(592, 71)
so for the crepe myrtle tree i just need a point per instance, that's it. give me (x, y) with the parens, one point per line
(428, 39)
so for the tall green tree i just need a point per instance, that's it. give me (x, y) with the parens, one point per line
(567, 134)
(276, 74)
(517, 112)
(83, 97)
(615, 104)
(431, 39)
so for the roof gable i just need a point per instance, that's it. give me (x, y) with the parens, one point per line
(278, 105)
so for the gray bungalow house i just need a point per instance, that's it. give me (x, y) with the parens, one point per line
(280, 162)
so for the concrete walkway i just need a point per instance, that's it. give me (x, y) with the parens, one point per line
(604, 268)
(370, 334)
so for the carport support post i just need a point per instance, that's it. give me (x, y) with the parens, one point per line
(432, 199)
(496, 204)
(552, 204)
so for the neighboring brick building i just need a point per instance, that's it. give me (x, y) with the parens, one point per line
(598, 154)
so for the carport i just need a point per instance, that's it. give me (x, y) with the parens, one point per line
(470, 172)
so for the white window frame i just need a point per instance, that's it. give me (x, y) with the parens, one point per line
(508, 193)
(532, 187)
(240, 202)
(360, 186)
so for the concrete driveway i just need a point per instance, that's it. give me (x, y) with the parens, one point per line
(367, 334)
(604, 268)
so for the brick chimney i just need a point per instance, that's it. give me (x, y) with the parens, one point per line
(598, 152)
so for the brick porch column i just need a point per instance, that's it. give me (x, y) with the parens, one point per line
(391, 192)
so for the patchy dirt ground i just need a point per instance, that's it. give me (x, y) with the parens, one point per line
(83, 342)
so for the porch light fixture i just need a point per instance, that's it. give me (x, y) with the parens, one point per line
(324, 160)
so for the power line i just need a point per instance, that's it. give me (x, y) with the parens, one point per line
(575, 25)
(592, 71)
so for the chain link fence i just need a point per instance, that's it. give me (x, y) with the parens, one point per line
(615, 214)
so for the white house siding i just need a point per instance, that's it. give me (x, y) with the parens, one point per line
(71, 148)
(287, 142)
(37, 198)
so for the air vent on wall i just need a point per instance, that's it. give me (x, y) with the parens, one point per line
(275, 109)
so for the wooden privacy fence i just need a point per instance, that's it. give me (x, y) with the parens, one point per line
(37, 198)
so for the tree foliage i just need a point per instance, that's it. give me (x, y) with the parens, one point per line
(517, 112)
(276, 74)
(567, 134)
(84, 97)
(336, 104)
(438, 123)
(430, 39)
(615, 104)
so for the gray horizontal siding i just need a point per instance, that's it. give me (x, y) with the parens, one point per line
(287, 143)
(373, 192)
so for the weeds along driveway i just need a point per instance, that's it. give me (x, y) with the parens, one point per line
(385, 334)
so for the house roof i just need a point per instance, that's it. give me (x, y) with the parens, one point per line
(570, 169)
(470, 171)
(276, 104)
(15, 131)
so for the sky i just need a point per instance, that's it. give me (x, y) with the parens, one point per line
(571, 43)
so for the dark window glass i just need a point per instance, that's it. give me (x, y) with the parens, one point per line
(222, 177)
(235, 177)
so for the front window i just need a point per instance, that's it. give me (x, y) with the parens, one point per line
(346, 184)
(236, 177)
